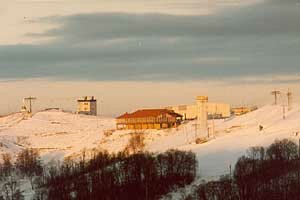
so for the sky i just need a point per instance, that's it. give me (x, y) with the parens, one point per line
(135, 53)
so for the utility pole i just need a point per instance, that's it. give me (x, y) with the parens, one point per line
(298, 172)
(99, 114)
(213, 122)
(299, 150)
(30, 99)
(230, 173)
(196, 125)
(213, 127)
(208, 135)
(283, 112)
(276, 93)
(289, 96)
(186, 134)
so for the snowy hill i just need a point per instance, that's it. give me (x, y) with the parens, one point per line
(235, 136)
(58, 135)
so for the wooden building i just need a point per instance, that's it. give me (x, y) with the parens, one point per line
(149, 119)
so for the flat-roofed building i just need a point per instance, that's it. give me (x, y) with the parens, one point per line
(149, 119)
(87, 106)
(216, 110)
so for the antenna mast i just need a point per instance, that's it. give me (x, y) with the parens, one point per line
(276, 93)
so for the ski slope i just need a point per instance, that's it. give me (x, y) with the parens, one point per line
(59, 135)
(233, 138)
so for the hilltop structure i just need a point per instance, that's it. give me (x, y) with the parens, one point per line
(214, 110)
(149, 119)
(87, 106)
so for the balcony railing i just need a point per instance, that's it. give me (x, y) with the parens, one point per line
(146, 120)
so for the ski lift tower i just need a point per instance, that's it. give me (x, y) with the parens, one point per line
(30, 100)
(201, 126)
(276, 93)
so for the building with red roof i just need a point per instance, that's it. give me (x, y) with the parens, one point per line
(149, 119)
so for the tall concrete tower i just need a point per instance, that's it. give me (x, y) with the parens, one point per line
(202, 115)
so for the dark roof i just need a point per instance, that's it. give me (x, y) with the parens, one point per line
(148, 113)
(86, 100)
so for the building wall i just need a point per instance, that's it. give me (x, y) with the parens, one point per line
(93, 108)
(140, 126)
(146, 123)
(87, 107)
(242, 110)
(190, 111)
(148, 120)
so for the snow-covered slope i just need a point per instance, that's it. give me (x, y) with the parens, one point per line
(233, 137)
(58, 135)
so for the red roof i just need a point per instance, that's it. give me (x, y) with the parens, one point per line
(125, 115)
(148, 113)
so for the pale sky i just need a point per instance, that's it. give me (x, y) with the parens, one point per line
(137, 53)
(19, 17)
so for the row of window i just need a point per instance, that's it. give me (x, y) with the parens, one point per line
(146, 120)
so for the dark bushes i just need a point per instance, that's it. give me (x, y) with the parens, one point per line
(113, 177)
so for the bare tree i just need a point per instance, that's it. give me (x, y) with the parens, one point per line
(29, 164)
(11, 189)
(7, 165)
(136, 143)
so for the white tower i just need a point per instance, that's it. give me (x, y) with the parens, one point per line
(202, 115)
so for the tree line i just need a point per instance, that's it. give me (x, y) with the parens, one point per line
(121, 176)
(105, 176)
(271, 173)
(263, 173)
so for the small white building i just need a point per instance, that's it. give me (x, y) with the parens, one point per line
(87, 106)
